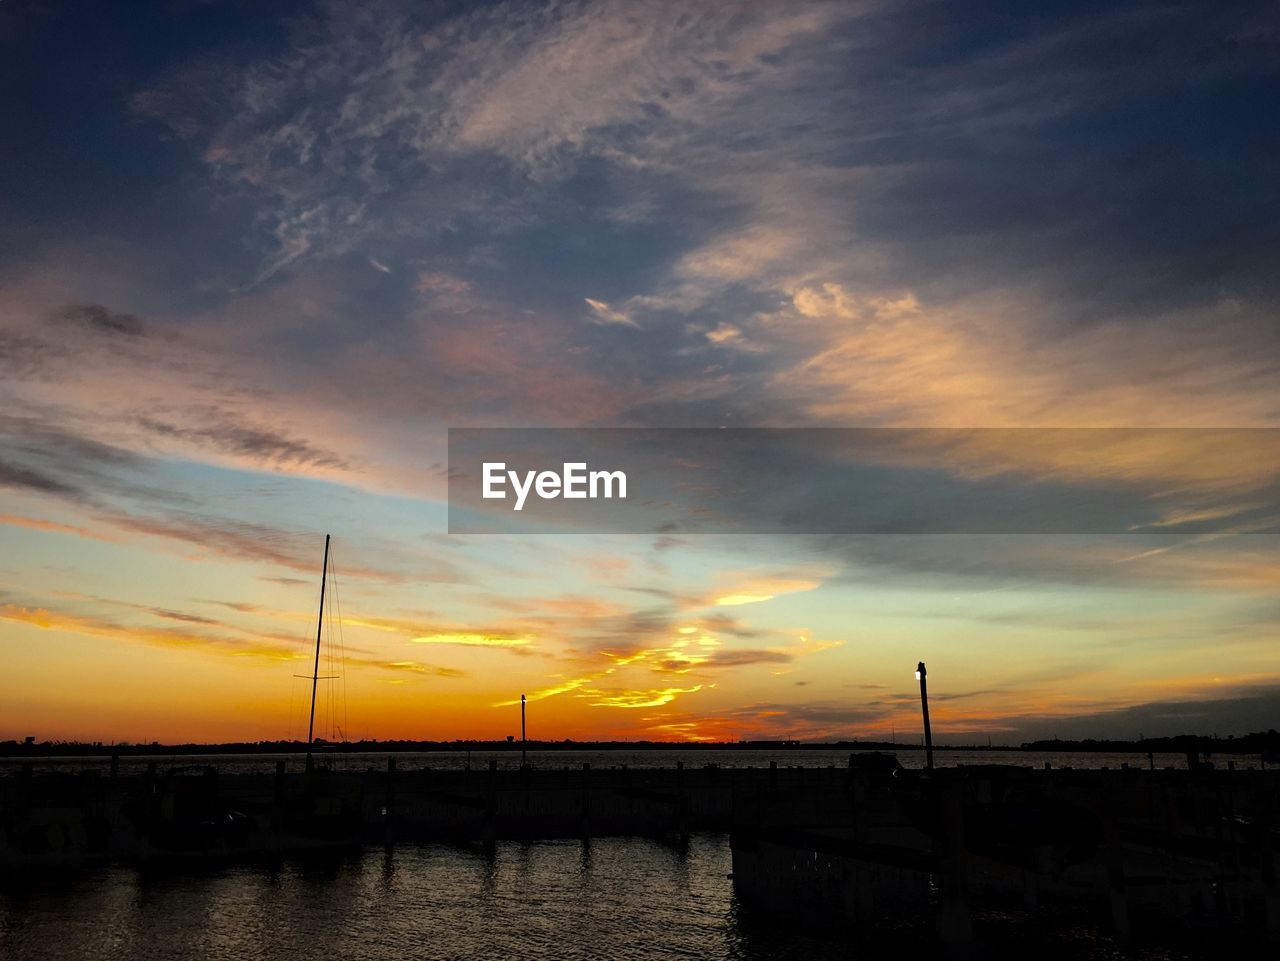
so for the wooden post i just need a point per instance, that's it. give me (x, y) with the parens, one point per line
(921, 673)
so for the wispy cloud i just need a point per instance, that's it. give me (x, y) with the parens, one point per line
(254, 442)
(602, 313)
(162, 637)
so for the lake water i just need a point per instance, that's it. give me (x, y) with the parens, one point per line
(612, 898)
(557, 900)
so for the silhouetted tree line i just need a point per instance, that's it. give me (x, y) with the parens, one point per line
(1261, 742)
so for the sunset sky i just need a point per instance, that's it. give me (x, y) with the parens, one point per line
(256, 259)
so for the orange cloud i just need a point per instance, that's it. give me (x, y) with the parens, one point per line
(892, 360)
(468, 639)
(164, 637)
(756, 590)
(36, 524)
(426, 633)
(635, 699)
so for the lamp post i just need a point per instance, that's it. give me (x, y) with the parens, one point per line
(921, 673)
(524, 744)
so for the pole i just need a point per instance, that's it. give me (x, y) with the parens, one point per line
(524, 744)
(315, 670)
(921, 673)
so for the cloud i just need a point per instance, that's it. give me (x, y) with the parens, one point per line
(228, 539)
(812, 214)
(243, 440)
(161, 637)
(285, 581)
(70, 449)
(39, 524)
(182, 616)
(416, 667)
(602, 313)
(756, 590)
(102, 320)
(565, 687)
(631, 700)
(1232, 708)
(725, 334)
(25, 478)
(428, 632)
(724, 659)
(441, 284)
(966, 363)
(398, 106)
(470, 639)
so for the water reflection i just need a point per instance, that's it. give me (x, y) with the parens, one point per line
(608, 898)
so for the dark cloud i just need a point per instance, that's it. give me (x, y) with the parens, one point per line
(25, 356)
(1235, 711)
(1238, 710)
(183, 616)
(63, 462)
(102, 320)
(259, 543)
(55, 443)
(260, 443)
(816, 715)
(24, 478)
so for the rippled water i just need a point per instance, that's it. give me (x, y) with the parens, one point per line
(613, 898)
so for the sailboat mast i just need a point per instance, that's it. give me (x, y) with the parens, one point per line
(315, 670)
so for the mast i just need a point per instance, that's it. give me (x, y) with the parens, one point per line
(315, 670)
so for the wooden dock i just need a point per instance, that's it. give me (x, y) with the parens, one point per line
(863, 845)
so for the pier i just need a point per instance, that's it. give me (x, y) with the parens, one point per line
(866, 844)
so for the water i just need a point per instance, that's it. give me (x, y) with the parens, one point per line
(615, 898)
(602, 760)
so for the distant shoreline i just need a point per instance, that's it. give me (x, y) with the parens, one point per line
(1257, 743)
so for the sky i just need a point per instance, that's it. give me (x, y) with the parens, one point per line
(256, 260)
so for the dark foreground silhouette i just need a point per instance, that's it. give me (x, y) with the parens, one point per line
(870, 844)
